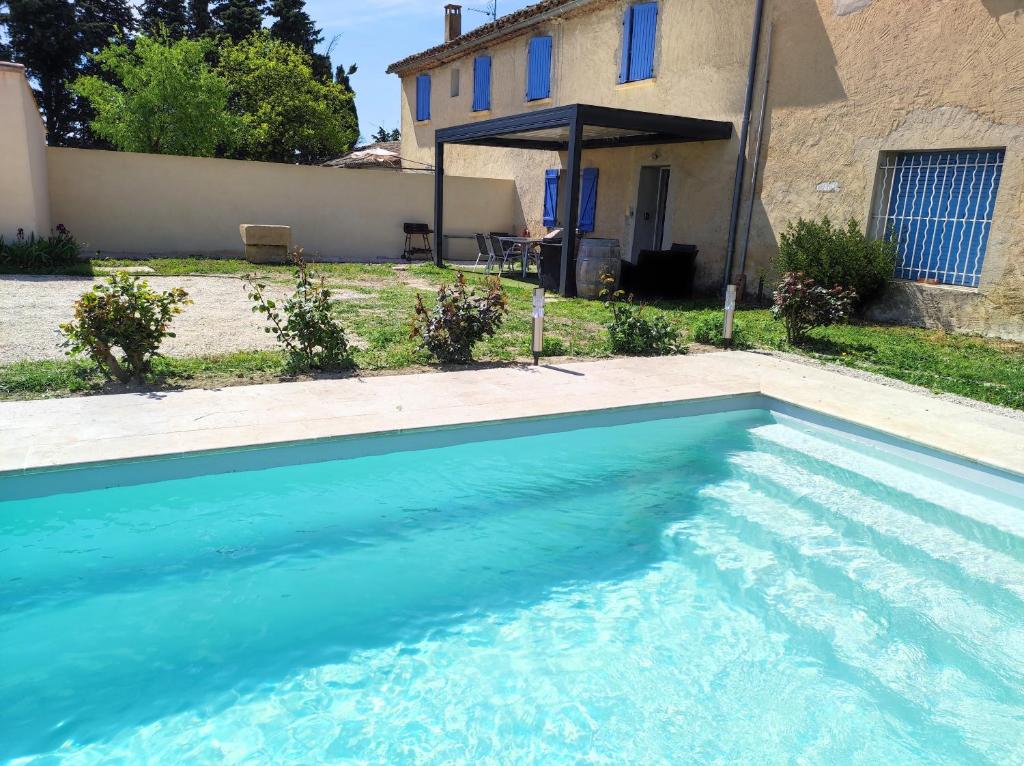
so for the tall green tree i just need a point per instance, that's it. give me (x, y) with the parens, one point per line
(164, 16)
(287, 115)
(293, 25)
(42, 36)
(52, 39)
(383, 135)
(164, 98)
(199, 20)
(238, 19)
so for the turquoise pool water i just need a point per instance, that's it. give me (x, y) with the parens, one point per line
(734, 588)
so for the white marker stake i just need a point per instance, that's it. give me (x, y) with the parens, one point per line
(538, 323)
(730, 309)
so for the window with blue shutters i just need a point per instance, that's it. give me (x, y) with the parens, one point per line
(423, 97)
(538, 69)
(937, 207)
(482, 84)
(588, 199)
(639, 26)
(551, 197)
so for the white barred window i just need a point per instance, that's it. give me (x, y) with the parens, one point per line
(937, 207)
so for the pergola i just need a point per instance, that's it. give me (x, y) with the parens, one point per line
(571, 129)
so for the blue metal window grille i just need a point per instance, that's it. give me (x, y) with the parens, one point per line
(482, 84)
(423, 97)
(538, 69)
(937, 207)
(639, 26)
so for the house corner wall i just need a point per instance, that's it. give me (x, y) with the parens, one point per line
(24, 194)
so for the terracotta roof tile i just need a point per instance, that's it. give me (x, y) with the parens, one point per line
(480, 32)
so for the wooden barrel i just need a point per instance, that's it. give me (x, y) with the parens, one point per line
(597, 257)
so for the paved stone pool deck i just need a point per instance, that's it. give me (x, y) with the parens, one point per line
(54, 432)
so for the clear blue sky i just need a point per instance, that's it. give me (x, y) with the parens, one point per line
(375, 33)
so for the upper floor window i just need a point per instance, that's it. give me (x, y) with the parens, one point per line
(423, 97)
(639, 26)
(538, 69)
(937, 208)
(455, 83)
(482, 83)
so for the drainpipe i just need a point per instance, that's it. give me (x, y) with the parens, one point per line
(741, 155)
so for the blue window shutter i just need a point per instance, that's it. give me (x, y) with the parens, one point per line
(627, 37)
(423, 97)
(482, 83)
(551, 197)
(641, 43)
(588, 199)
(538, 69)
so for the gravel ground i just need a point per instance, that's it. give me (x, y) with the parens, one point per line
(218, 321)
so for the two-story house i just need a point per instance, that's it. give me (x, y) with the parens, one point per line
(907, 115)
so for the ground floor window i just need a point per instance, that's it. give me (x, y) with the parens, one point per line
(937, 207)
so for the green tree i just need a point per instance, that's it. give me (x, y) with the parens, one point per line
(383, 135)
(164, 98)
(286, 114)
(293, 25)
(199, 20)
(168, 15)
(238, 19)
(52, 39)
(42, 37)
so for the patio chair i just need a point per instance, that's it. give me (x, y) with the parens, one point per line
(502, 253)
(482, 251)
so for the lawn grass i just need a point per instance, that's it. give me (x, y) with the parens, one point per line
(381, 299)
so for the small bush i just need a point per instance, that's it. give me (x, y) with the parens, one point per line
(312, 338)
(708, 330)
(835, 256)
(122, 313)
(631, 332)
(24, 253)
(803, 304)
(459, 319)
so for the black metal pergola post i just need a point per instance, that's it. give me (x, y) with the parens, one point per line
(438, 202)
(572, 129)
(570, 209)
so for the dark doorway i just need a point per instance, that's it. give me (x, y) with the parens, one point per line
(651, 202)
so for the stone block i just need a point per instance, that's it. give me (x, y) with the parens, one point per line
(266, 243)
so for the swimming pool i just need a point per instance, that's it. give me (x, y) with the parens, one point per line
(659, 585)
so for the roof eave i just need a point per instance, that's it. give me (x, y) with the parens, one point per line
(446, 52)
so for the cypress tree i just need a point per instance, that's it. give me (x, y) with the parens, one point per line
(169, 15)
(199, 20)
(293, 25)
(238, 18)
(42, 36)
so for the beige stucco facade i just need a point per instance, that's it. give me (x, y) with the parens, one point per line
(25, 204)
(849, 81)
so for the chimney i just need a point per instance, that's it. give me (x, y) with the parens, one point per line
(452, 22)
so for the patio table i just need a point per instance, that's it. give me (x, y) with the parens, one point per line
(524, 243)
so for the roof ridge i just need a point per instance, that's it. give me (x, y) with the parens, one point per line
(483, 31)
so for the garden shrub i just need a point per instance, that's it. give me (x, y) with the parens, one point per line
(459, 319)
(310, 336)
(633, 333)
(832, 256)
(122, 313)
(708, 330)
(32, 253)
(802, 304)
